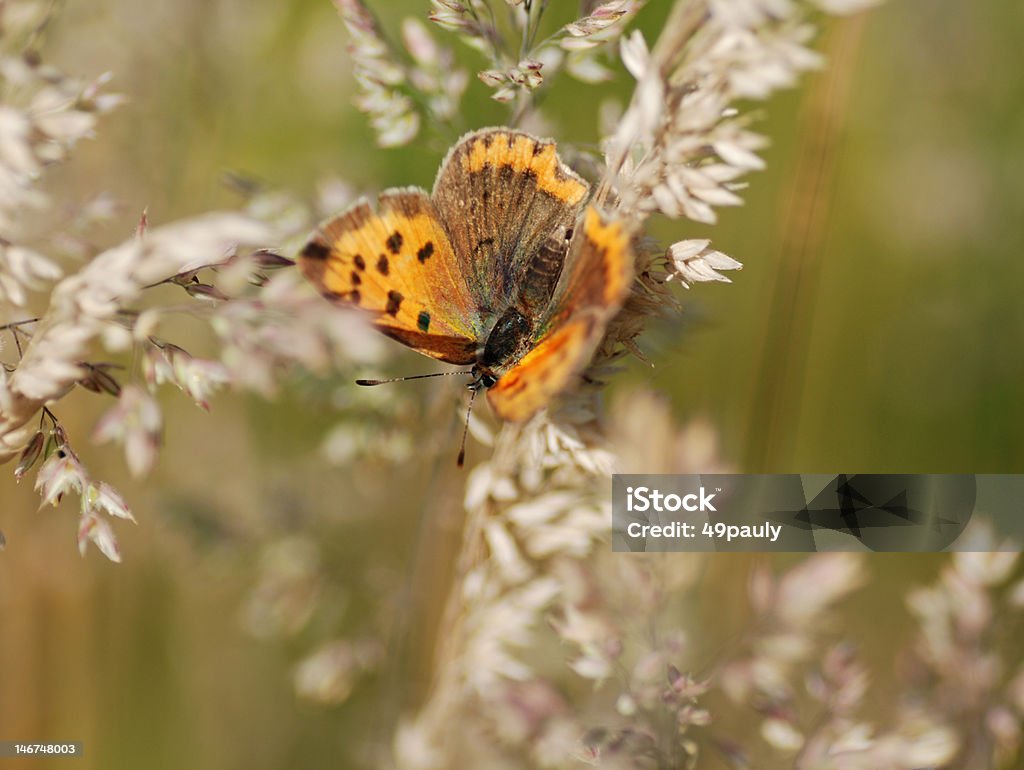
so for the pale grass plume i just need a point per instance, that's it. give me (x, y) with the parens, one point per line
(105, 307)
(264, 331)
(400, 89)
(957, 664)
(86, 309)
(43, 115)
(380, 78)
(521, 60)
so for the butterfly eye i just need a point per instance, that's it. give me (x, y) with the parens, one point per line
(481, 380)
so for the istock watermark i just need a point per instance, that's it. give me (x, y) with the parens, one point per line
(814, 512)
(645, 499)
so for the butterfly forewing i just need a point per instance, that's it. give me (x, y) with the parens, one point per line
(502, 194)
(397, 263)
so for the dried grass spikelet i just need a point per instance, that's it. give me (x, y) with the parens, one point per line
(86, 303)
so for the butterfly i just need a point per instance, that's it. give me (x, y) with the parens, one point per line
(503, 266)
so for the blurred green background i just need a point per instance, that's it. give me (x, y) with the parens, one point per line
(877, 326)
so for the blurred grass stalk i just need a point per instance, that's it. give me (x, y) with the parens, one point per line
(777, 394)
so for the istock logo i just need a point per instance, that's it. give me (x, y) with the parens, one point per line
(646, 499)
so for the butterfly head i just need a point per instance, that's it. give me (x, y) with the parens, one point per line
(482, 380)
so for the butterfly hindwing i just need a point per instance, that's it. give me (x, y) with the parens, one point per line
(598, 270)
(595, 282)
(547, 369)
(397, 263)
(502, 194)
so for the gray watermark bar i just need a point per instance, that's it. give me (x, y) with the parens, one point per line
(40, 748)
(817, 512)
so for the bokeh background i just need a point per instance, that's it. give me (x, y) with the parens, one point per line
(877, 325)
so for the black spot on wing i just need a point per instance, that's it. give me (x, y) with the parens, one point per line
(394, 302)
(394, 242)
(356, 280)
(423, 321)
(426, 252)
(316, 250)
(359, 262)
(481, 243)
(382, 264)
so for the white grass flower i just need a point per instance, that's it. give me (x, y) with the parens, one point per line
(812, 586)
(197, 377)
(23, 270)
(103, 497)
(782, 735)
(91, 528)
(693, 261)
(599, 19)
(60, 474)
(330, 674)
(136, 423)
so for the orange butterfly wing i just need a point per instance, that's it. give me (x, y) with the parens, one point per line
(397, 264)
(595, 283)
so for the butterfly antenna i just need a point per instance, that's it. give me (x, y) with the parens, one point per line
(368, 383)
(465, 429)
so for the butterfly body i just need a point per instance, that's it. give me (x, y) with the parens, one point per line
(500, 267)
